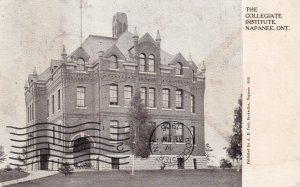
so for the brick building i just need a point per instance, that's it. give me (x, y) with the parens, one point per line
(94, 85)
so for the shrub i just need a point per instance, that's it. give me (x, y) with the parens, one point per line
(8, 168)
(66, 169)
(225, 163)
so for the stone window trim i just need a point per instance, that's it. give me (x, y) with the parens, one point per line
(80, 96)
(114, 65)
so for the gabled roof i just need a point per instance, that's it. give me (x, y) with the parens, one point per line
(179, 58)
(114, 50)
(80, 52)
(124, 43)
(93, 44)
(147, 38)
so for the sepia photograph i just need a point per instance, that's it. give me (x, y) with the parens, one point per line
(121, 93)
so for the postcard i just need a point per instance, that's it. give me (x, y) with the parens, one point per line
(149, 93)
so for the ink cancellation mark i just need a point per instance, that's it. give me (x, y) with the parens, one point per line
(171, 150)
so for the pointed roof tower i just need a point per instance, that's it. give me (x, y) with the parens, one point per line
(63, 53)
(158, 38)
(203, 68)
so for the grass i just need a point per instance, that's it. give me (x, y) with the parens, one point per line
(12, 175)
(205, 178)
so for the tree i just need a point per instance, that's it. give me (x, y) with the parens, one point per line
(23, 157)
(2, 154)
(140, 131)
(234, 150)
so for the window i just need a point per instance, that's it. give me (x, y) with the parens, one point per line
(48, 108)
(53, 135)
(113, 62)
(142, 62)
(80, 96)
(32, 112)
(59, 133)
(113, 95)
(127, 95)
(166, 98)
(179, 133)
(151, 99)
(179, 99)
(194, 76)
(151, 63)
(192, 103)
(52, 104)
(166, 127)
(58, 99)
(193, 135)
(179, 69)
(29, 112)
(153, 126)
(80, 64)
(114, 125)
(143, 95)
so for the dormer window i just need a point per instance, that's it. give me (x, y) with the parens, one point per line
(113, 62)
(142, 62)
(80, 64)
(151, 63)
(179, 68)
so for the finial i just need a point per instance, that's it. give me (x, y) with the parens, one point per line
(34, 71)
(135, 35)
(64, 53)
(203, 68)
(158, 38)
(26, 85)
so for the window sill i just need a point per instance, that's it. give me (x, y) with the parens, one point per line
(151, 108)
(115, 106)
(179, 109)
(167, 143)
(147, 72)
(179, 75)
(78, 71)
(166, 108)
(180, 143)
(81, 107)
(126, 106)
(114, 69)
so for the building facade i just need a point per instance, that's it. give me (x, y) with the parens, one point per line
(81, 102)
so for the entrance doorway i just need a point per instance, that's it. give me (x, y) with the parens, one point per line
(180, 163)
(115, 162)
(82, 152)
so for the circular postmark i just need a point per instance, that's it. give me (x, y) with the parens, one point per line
(172, 142)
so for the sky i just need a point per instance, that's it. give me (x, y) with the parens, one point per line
(33, 32)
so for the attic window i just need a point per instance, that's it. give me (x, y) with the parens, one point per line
(179, 69)
(80, 64)
(113, 62)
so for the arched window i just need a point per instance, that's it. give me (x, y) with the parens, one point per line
(179, 99)
(80, 64)
(179, 133)
(142, 62)
(127, 95)
(151, 63)
(179, 69)
(113, 62)
(113, 94)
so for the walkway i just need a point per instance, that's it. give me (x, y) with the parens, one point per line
(32, 176)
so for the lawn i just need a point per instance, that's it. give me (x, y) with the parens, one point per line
(12, 175)
(205, 178)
